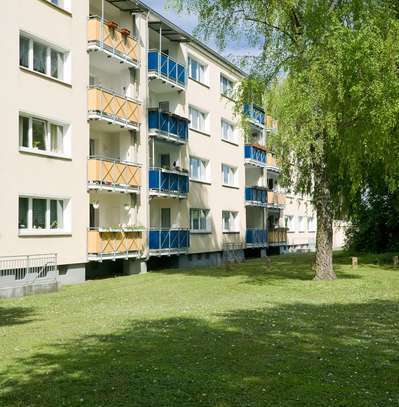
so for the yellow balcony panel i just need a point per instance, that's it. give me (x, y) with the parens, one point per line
(275, 199)
(113, 175)
(277, 237)
(104, 104)
(271, 163)
(114, 42)
(114, 244)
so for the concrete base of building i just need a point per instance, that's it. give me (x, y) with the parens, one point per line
(41, 287)
(210, 259)
(300, 248)
(131, 267)
(71, 274)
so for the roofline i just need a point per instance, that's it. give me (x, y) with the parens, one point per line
(190, 37)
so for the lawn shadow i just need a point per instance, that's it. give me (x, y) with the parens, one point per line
(266, 270)
(15, 315)
(289, 355)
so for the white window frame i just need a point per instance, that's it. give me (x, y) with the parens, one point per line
(66, 76)
(203, 168)
(233, 224)
(301, 224)
(290, 223)
(232, 176)
(226, 92)
(232, 137)
(62, 139)
(201, 214)
(202, 70)
(202, 118)
(311, 224)
(63, 215)
(64, 4)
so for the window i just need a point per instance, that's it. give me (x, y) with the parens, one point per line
(40, 134)
(289, 222)
(226, 86)
(42, 58)
(41, 214)
(230, 221)
(197, 119)
(199, 169)
(196, 70)
(301, 224)
(199, 220)
(228, 131)
(311, 224)
(229, 175)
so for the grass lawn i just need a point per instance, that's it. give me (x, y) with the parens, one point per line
(254, 335)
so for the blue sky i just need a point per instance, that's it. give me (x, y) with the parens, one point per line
(188, 23)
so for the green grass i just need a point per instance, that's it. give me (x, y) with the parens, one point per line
(257, 334)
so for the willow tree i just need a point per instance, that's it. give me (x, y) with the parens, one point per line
(327, 70)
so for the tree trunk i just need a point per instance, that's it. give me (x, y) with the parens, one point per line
(323, 265)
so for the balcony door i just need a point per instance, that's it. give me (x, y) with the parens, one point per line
(165, 218)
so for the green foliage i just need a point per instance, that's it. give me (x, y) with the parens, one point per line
(328, 72)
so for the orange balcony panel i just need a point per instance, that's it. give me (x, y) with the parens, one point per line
(102, 103)
(271, 161)
(113, 173)
(277, 236)
(114, 243)
(275, 198)
(124, 46)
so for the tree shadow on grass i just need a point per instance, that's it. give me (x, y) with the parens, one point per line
(266, 270)
(288, 355)
(15, 315)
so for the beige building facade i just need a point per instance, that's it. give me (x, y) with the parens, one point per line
(122, 145)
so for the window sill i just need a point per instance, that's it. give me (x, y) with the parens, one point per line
(231, 231)
(200, 181)
(41, 153)
(60, 9)
(199, 83)
(230, 186)
(200, 232)
(200, 132)
(230, 142)
(44, 76)
(43, 232)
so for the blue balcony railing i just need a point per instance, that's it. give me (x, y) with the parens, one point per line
(255, 154)
(169, 239)
(168, 182)
(255, 114)
(168, 125)
(166, 67)
(256, 196)
(256, 237)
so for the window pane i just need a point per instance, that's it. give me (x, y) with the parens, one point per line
(39, 57)
(23, 213)
(24, 52)
(38, 134)
(56, 133)
(53, 214)
(24, 131)
(57, 64)
(39, 213)
(203, 220)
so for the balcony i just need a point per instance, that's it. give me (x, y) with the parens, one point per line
(168, 241)
(255, 115)
(277, 237)
(168, 183)
(275, 200)
(256, 237)
(113, 175)
(167, 126)
(113, 42)
(271, 163)
(161, 66)
(255, 155)
(116, 243)
(105, 104)
(256, 196)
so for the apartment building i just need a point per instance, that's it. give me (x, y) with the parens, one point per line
(122, 145)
